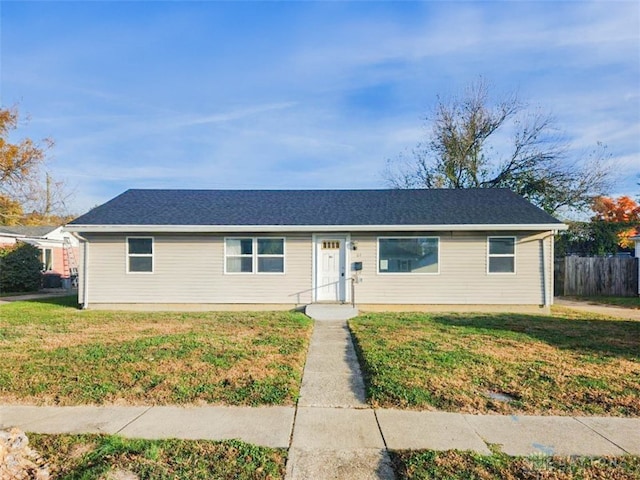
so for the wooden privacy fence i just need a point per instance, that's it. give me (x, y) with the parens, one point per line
(596, 276)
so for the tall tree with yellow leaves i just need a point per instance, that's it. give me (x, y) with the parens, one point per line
(20, 177)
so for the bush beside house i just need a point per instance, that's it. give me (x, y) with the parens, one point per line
(20, 268)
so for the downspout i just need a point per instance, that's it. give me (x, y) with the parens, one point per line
(85, 270)
(85, 274)
(552, 264)
(546, 283)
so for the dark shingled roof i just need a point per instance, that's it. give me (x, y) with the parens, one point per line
(316, 207)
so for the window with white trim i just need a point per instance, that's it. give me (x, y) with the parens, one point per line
(413, 255)
(254, 255)
(239, 253)
(139, 254)
(46, 259)
(501, 255)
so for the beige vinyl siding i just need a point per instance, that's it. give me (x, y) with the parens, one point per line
(463, 277)
(190, 269)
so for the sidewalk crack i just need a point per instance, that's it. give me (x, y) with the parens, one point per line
(134, 419)
(577, 419)
(384, 440)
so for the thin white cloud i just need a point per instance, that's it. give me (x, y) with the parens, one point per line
(252, 112)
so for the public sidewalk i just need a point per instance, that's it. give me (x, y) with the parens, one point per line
(399, 429)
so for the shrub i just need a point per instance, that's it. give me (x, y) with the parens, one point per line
(20, 268)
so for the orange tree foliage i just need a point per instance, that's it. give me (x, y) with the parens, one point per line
(623, 211)
(20, 188)
(17, 159)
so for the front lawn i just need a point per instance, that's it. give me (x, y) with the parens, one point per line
(455, 465)
(565, 364)
(103, 456)
(54, 354)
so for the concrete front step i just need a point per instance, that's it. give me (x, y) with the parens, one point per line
(331, 311)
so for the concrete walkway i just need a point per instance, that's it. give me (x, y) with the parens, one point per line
(585, 306)
(336, 434)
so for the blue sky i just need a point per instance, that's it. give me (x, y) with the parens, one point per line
(153, 94)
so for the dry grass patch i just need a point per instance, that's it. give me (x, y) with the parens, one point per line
(55, 354)
(567, 363)
(453, 465)
(111, 457)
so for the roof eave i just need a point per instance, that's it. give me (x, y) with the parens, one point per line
(307, 228)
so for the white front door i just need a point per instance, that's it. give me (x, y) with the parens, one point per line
(330, 269)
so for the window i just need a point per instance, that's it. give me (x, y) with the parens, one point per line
(409, 255)
(239, 255)
(270, 255)
(501, 255)
(254, 255)
(46, 259)
(140, 255)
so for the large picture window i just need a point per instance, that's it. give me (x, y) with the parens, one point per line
(140, 254)
(254, 255)
(409, 255)
(501, 255)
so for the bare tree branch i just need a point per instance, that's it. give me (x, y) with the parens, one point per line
(458, 154)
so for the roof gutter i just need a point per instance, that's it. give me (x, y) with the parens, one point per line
(309, 228)
(12, 235)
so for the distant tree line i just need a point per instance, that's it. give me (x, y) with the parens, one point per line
(609, 231)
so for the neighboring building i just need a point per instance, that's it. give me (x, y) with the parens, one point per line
(280, 249)
(56, 255)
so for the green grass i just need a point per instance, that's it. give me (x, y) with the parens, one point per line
(625, 302)
(567, 363)
(53, 353)
(75, 457)
(456, 465)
